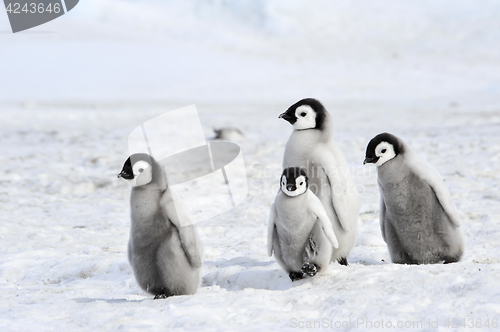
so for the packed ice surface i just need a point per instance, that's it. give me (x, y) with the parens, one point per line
(65, 227)
(427, 73)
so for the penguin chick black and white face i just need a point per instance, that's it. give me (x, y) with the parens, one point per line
(137, 170)
(385, 152)
(306, 118)
(383, 148)
(294, 181)
(305, 114)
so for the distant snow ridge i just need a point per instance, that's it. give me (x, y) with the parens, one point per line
(181, 18)
(318, 28)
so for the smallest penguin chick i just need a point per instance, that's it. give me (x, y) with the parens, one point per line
(299, 231)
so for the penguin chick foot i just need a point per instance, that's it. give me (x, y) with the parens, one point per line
(160, 297)
(296, 275)
(309, 269)
(343, 261)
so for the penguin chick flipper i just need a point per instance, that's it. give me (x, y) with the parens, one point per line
(326, 224)
(382, 217)
(178, 214)
(426, 172)
(270, 230)
(339, 191)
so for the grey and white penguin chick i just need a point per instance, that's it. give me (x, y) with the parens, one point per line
(299, 230)
(165, 257)
(418, 219)
(311, 146)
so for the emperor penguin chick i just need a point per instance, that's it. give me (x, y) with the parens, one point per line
(311, 146)
(299, 230)
(165, 256)
(418, 219)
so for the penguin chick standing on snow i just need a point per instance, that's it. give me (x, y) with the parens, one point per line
(311, 146)
(165, 257)
(299, 230)
(418, 219)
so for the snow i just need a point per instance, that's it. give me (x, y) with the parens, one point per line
(72, 90)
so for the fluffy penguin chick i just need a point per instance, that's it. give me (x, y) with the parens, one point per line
(299, 230)
(311, 146)
(165, 257)
(418, 219)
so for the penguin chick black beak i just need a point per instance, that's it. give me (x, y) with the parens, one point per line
(290, 187)
(125, 175)
(286, 116)
(370, 160)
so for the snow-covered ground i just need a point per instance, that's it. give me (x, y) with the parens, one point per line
(73, 89)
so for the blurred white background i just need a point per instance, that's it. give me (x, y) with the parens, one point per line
(192, 51)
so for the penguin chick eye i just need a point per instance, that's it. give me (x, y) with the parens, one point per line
(140, 167)
(383, 150)
(301, 183)
(303, 114)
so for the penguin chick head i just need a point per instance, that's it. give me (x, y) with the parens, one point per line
(307, 113)
(137, 170)
(294, 181)
(383, 148)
